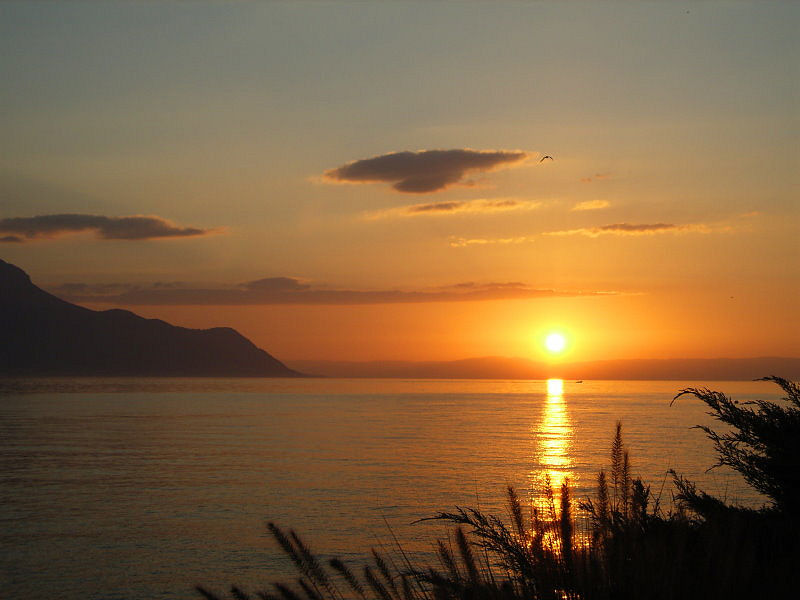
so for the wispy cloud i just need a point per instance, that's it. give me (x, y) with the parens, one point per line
(11, 239)
(424, 171)
(289, 290)
(618, 229)
(275, 284)
(455, 207)
(632, 229)
(460, 242)
(596, 177)
(591, 205)
(137, 227)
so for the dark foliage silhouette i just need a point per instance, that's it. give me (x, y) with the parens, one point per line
(763, 443)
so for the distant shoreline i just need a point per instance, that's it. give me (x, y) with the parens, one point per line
(489, 368)
(711, 369)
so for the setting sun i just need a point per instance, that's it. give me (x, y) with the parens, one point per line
(555, 343)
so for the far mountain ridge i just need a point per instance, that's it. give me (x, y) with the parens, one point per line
(41, 334)
(497, 367)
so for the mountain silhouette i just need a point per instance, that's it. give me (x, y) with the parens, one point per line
(44, 335)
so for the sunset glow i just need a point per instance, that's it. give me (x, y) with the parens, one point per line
(217, 188)
(555, 343)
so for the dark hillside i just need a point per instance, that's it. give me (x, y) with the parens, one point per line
(43, 335)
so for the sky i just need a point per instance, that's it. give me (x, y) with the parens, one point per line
(412, 180)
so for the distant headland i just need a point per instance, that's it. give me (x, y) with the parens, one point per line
(42, 335)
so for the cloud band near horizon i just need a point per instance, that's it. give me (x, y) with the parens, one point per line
(424, 171)
(132, 228)
(289, 290)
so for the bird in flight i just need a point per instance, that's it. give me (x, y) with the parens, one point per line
(548, 156)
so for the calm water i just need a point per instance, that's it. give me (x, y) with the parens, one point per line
(142, 488)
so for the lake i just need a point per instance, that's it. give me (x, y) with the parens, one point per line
(142, 488)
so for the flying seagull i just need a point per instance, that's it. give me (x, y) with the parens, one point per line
(548, 156)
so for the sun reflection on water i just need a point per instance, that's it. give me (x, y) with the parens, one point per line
(553, 435)
(555, 387)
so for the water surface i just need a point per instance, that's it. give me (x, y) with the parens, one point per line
(130, 488)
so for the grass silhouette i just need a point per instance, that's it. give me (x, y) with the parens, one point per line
(632, 547)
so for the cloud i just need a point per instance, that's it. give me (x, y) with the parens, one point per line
(458, 242)
(424, 171)
(11, 239)
(619, 229)
(633, 229)
(591, 205)
(436, 207)
(481, 206)
(596, 177)
(275, 284)
(137, 227)
(94, 290)
(288, 290)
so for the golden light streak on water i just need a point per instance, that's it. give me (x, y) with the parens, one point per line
(555, 388)
(554, 435)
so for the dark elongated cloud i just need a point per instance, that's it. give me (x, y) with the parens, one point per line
(436, 207)
(11, 239)
(109, 228)
(288, 290)
(424, 171)
(454, 207)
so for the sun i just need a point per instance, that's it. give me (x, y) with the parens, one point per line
(555, 343)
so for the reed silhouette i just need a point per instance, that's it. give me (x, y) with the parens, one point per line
(628, 545)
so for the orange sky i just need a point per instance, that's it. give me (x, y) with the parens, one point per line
(357, 182)
(596, 328)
